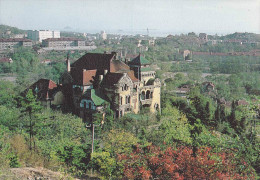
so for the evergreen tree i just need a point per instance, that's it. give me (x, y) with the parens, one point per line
(30, 106)
(232, 117)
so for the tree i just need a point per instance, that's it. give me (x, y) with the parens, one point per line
(174, 127)
(30, 106)
(233, 118)
(116, 142)
(7, 94)
(195, 131)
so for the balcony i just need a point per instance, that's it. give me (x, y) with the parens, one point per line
(146, 101)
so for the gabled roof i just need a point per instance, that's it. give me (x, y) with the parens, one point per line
(85, 77)
(118, 66)
(43, 88)
(112, 78)
(91, 61)
(139, 60)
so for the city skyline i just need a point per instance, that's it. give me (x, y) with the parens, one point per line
(132, 17)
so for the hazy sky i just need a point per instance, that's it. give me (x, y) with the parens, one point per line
(171, 16)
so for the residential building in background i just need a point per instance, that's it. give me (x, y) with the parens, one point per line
(39, 35)
(203, 37)
(103, 35)
(14, 42)
(63, 42)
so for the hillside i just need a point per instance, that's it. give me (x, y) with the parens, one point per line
(242, 36)
(14, 30)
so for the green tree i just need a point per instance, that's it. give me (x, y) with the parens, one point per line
(116, 142)
(7, 93)
(30, 107)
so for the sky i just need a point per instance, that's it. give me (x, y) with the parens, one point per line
(133, 16)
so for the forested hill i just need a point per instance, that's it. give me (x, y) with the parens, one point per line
(14, 30)
(242, 36)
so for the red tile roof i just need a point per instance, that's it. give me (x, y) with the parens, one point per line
(88, 77)
(43, 88)
(85, 77)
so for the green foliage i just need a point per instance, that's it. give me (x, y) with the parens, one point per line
(174, 126)
(30, 107)
(105, 165)
(14, 30)
(9, 118)
(14, 163)
(74, 156)
(4, 147)
(116, 142)
(7, 93)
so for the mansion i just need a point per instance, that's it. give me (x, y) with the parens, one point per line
(98, 80)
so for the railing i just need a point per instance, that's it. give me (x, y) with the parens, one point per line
(146, 101)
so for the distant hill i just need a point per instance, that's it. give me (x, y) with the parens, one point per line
(243, 36)
(14, 30)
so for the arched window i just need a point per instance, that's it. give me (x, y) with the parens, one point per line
(143, 96)
(126, 87)
(121, 100)
(89, 105)
(147, 95)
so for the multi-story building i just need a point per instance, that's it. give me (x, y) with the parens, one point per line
(98, 80)
(40, 35)
(14, 42)
(103, 35)
(203, 37)
(63, 42)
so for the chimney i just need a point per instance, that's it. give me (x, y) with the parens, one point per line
(84, 77)
(68, 62)
(105, 72)
(100, 77)
(115, 54)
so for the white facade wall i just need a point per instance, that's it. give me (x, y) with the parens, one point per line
(42, 34)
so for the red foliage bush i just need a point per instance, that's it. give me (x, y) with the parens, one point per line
(151, 162)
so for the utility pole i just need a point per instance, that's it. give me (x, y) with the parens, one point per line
(92, 127)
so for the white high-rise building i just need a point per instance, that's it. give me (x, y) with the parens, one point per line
(39, 35)
(103, 35)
